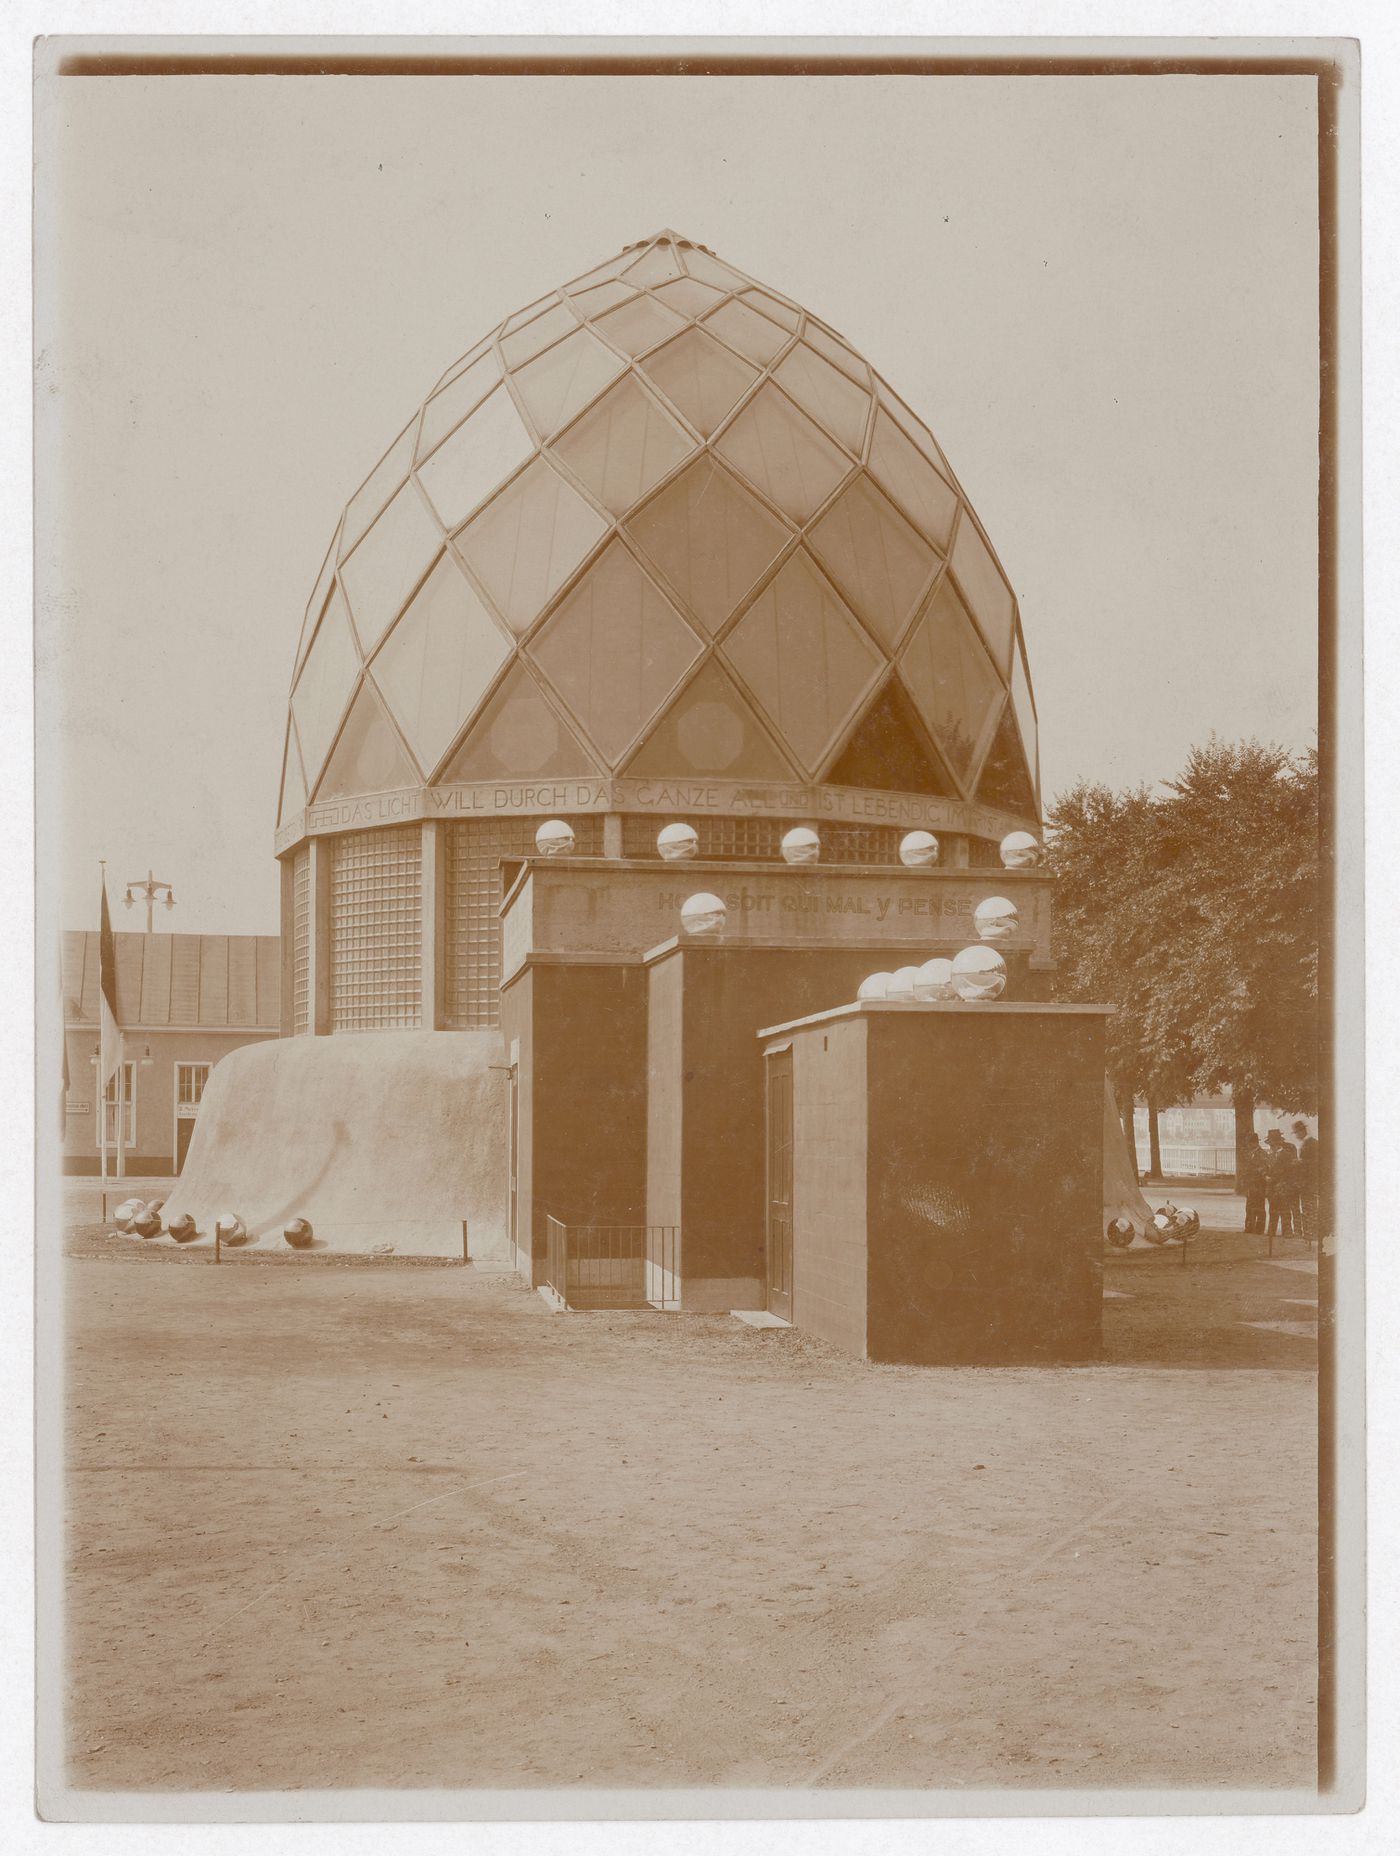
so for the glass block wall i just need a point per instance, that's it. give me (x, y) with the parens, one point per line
(301, 941)
(759, 840)
(472, 950)
(376, 930)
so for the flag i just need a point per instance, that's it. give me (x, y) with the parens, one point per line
(110, 1047)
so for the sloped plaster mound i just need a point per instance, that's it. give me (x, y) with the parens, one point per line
(384, 1139)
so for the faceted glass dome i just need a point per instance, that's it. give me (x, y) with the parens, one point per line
(662, 522)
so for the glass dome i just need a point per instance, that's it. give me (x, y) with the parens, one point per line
(662, 523)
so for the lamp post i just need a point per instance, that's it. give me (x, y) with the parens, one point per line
(150, 887)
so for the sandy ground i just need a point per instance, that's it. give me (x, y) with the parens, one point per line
(401, 1526)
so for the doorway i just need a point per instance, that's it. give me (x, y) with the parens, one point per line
(778, 1245)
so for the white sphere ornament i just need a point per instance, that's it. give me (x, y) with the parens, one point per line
(127, 1212)
(146, 1223)
(873, 986)
(555, 838)
(900, 990)
(230, 1229)
(979, 973)
(677, 842)
(918, 849)
(298, 1233)
(996, 918)
(183, 1229)
(1021, 851)
(801, 845)
(934, 981)
(703, 914)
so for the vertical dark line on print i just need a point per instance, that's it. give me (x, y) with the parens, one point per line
(1329, 80)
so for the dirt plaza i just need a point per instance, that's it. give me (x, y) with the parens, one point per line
(401, 1525)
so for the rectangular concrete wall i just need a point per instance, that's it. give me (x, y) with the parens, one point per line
(985, 1177)
(706, 1079)
(830, 1237)
(517, 1031)
(665, 1059)
(581, 1135)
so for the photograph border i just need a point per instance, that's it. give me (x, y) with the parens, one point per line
(1341, 1370)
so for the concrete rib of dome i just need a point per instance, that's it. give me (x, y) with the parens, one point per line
(661, 463)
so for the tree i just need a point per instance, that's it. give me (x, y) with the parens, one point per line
(1243, 825)
(1194, 911)
(1104, 851)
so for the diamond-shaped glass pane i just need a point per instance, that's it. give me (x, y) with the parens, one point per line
(889, 750)
(615, 650)
(601, 272)
(656, 266)
(781, 452)
(985, 590)
(623, 446)
(564, 379)
(323, 688)
(688, 296)
(461, 364)
(459, 397)
(538, 335)
(376, 490)
(316, 604)
(599, 298)
(902, 469)
(476, 459)
(369, 757)
(1024, 704)
(743, 328)
(438, 661)
(837, 404)
(1006, 780)
(530, 311)
(710, 729)
(831, 349)
(293, 795)
(518, 728)
(804, 657)
(700, 378)
(914, 428)
(878, 560)
(952, 681)
(639, 325)
(524, 545)
(393, 557)
(773, 309)
(709, 270)
(711, 540)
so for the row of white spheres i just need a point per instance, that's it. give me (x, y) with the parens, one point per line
(976, 974)
(678, 843)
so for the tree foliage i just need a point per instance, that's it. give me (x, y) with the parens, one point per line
(1194, 910)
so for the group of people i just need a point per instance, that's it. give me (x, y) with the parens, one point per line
(1280, 1184)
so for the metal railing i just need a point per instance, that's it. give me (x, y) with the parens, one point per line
(613, 1265)
(1189, 1160)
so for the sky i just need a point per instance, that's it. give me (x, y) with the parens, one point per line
(1100, 293)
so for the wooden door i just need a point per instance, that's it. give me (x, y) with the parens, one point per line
(779, 1235)
(184, 1128)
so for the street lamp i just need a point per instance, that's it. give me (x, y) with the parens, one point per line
(150, 887)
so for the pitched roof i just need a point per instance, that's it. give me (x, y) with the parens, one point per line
(205, 980)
